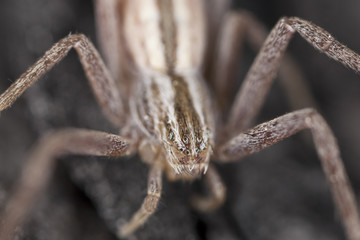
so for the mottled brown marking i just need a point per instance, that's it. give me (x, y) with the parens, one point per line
(145, 113)
(185, 111)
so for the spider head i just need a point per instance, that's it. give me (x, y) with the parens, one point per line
(188, 153)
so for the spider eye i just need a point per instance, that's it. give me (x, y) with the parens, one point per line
(171, 135)
(198, 140)
(186, 140)
(187, 152)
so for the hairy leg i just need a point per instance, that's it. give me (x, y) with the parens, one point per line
(237, 27)
(103, 85)
(251, 95)
(150, 202)
(269, 133)
(38, 168)
(217, 192)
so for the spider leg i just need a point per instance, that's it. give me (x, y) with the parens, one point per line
(150, 202)
(103, 85)
(266, 64)
(217, 192)
(271, 132)
(237, 27)
(38, 168)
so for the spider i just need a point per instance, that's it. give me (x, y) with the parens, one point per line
(198, 142)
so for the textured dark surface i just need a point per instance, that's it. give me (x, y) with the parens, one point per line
(277, 194)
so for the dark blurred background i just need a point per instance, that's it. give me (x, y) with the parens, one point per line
(279, 193)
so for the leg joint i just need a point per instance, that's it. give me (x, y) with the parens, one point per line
(150, 203)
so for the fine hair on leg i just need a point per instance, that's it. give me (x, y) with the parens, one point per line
(38, 168)
(102, 83)
(258, 80)
(271, 132)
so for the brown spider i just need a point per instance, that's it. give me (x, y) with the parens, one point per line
(192, 135)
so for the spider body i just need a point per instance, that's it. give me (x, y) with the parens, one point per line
(170, 119)
(171, 103)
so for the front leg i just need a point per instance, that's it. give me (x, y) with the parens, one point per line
(269, 133)
(252, 93)
(38, 169)
(239, 26)
(103, 85)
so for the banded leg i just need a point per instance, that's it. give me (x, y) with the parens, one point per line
(150, 202)
(269, 133)
(217, 192)
(237, 27)
(38, 168)
(103, 85)
(251, 95)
